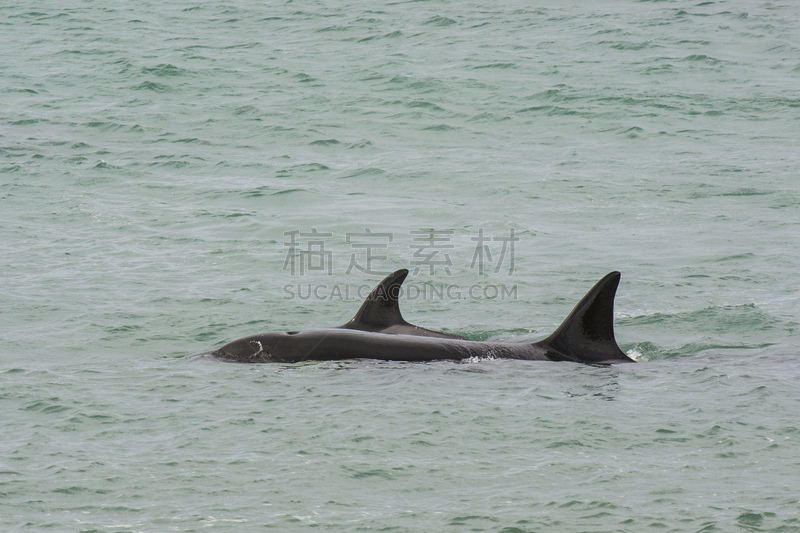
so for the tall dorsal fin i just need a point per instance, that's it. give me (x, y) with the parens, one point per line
(381, 309)
(380, 312)
(587, 335)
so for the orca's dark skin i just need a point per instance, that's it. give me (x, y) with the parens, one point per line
(378, 331)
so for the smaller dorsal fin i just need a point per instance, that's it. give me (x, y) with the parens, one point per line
(380, 312)
(587, 335)
(381, 309)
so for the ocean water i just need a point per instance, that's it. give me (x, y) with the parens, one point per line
(175, 176)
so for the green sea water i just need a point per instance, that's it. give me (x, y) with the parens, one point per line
(176, 176)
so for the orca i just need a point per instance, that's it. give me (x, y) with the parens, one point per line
(378, 331)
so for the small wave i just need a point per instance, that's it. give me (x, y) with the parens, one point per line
(170, 164)
(307, 167)
(370, 171)
(632, 46)
(390, 35)
(496, 65)
(152, 86)
(440, 127)
(164, 69)
(440, 21)
(702, 57)
(425, 105)
(193, 140)
(287, 191)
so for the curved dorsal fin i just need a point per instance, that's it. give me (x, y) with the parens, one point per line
(587, 335)
(381, 309)
(380, 312)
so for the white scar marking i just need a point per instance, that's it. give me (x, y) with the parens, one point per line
(260, 348)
